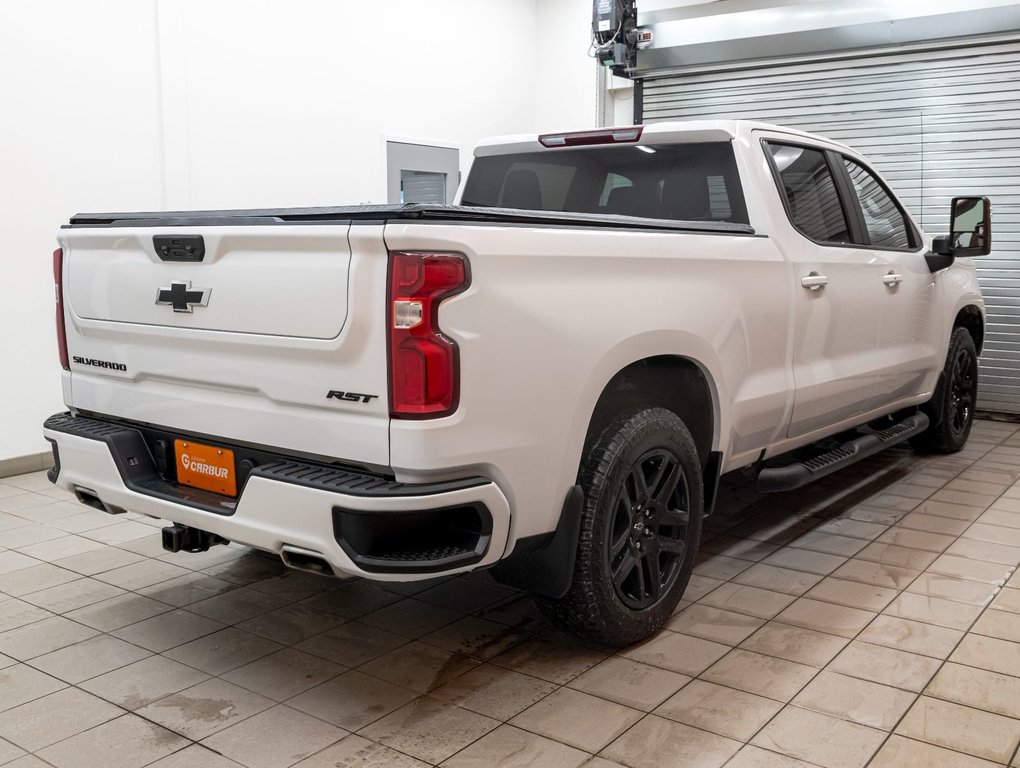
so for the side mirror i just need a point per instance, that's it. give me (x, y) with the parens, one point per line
(970, 233)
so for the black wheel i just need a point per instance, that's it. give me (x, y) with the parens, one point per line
(952, 412)
(640, 529)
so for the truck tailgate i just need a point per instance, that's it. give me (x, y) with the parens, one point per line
(244, 345)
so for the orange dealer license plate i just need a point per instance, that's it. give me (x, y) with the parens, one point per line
(206, 467)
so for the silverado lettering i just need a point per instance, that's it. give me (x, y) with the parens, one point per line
(99, 363)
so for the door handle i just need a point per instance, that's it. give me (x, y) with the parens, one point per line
(814, 281)
(892, 279)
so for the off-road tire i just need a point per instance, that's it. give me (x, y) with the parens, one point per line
(648, 444)
(952, 412)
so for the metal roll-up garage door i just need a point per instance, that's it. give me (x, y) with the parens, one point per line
(936, 123)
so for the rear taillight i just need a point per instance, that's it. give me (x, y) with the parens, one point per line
(424, 364)
(58, 287)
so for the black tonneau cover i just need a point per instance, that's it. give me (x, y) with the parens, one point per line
(382, 213)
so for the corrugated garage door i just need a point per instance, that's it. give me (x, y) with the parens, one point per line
(935, 123)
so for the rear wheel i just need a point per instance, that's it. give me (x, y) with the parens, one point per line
(640, 529)
(952, 415)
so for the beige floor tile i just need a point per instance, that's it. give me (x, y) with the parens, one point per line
(223, 651)
(978, 501)
(910, 537)
(919, 521)
(17, 613)
(353, 599)
(419, 667)
(902, 557)
(752, 601)
(549, 660)
(967, 568)
(933, 610)
(142, 574)
(143, 682)
(510, 747)
(714, 624)
(699, 586)
(826, 617)
(805, 560)
(830, 543)
(352, 700)
(577, 719)
(772, 577)
(429, 729)
(187, 589)
(117, 612)
(1007, 600)
(275, 738)
(879, 574)
(719, 566)
(127, 742)
(982, 551)
(656, 742)
(949, 588)
(805, 646)
(1000, 517)
(119, 532)
(847, 526)
(998, 534)
(500, 693)
(35, 578)
(978, 688)
(718, 709)
(356, 752)
(762, 675)
(352, 644)
(676, 652)
(411, 618)
(89, 658)
(65, 546)
(630, 683)
(756, 757)
(291, 624)
(989, 653)
(854, 594)
(1001, 624)
(236, 606)
(476, 637)
(888, 666)
(900, 752)
(195, 756)
(859, 701)
(168, 630)
(54, 717)
(36, 639)
(205, 708)
(72, 595)
(911, 636)
(283, 674)
(98, 561)
(795, 732)
(21, 684)
(963, 729)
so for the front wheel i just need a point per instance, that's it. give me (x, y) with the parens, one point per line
(640, 530)
(952, 414)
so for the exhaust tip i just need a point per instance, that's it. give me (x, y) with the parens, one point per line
(308, 560)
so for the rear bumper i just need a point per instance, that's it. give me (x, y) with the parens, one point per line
(361, 524)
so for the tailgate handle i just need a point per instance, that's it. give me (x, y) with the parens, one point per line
(188, 248)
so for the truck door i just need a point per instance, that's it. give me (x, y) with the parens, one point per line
(838, 298)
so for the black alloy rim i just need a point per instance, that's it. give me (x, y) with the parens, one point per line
(648, 530)
(963, 381)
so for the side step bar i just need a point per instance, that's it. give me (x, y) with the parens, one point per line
(800, 473)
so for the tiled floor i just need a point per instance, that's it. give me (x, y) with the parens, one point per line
(872, 619)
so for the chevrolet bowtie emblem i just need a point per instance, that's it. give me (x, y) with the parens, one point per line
(181, 297)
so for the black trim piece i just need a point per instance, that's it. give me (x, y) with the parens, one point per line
(800, 473)
(186, 248)
(407, 212)
(349, 483)
(414, 540)
(53, 472)
(710, 480)
(544, 564)
(848, 199)
(639, 101)
(144, 458)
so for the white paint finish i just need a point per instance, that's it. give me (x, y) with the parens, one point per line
(80, 130)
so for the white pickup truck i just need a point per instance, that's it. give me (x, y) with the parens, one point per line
(547, 379)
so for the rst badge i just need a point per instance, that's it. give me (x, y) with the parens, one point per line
(182, 297)
(350, 397)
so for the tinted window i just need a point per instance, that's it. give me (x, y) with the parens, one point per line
(810, 192)
(684, 182)
(887, 227)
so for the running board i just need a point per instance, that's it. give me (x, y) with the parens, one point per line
(800, 473)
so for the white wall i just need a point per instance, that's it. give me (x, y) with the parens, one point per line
(154, 104)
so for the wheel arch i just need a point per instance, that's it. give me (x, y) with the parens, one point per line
(971, 318)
